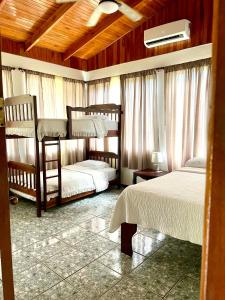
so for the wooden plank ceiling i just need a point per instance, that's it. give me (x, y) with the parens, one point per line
(61, 27)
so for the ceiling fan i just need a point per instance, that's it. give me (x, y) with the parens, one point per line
(109, 7)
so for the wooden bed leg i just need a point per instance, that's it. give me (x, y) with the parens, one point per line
(119, 186)
(38, 212)
(127, 232)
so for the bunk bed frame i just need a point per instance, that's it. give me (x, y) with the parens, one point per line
(25, 178)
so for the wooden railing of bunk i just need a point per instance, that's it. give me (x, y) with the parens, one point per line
(22, 177)
(21, 111)
(109, 157)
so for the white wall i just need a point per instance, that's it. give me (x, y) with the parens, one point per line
(173, 58)
(17, 61)
(159, 61)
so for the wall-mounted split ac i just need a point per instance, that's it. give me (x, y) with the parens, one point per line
(167, 33)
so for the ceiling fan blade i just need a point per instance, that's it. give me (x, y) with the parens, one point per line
(64, 1)
(128, 11)
(93, 20)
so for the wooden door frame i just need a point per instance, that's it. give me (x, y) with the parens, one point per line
(213, 256)
(5, 238)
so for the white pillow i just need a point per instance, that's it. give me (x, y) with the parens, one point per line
(93, 164)
(196, 162)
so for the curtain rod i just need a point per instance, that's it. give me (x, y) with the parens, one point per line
(40, 74)
(191, 64)
(96, 81)
(8, 68)
(201, 62)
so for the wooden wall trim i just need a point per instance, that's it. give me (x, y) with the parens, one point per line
(131, 46)
(42, 54)
(213, 258)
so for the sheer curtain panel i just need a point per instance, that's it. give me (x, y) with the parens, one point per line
(187, 92)
(140, 124)
(98, 92)
(13, 146)
(7, 82)
(73, 95)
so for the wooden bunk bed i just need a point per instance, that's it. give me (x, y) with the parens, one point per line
(22, 122)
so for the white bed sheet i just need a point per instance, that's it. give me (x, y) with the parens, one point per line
(172, 204)
(58, 127)
(75, 180)
(110, 173)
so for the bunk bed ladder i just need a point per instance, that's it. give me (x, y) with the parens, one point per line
(45, 144)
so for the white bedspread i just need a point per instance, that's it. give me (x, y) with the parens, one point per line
(88, 127)
(99, 178)
(75, 180)
(172, 204)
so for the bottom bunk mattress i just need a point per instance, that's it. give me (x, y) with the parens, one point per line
(172, 204)
(75, 180)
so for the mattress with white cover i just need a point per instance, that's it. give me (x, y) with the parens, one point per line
(75, 180)
(110, 173)
(87, 126)
(172, 204)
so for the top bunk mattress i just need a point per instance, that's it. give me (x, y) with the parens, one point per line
(84, 127)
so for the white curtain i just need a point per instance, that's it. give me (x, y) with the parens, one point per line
(73, 95)
(104, 91)
(7, 82)
(13, 146)
(98, 91)
(53, 94)
(140, 132)
(43, 87)
(186, 98)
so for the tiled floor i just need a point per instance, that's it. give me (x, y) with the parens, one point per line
(69, 254)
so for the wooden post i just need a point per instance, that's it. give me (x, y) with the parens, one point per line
(69, 122)
(59, 172)
(119, 146)
(37, 159)
(213, 257)
(127, 232)
(5, 241)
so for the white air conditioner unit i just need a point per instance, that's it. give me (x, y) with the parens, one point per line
(167, 33)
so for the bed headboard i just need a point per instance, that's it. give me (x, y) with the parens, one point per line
(21, 110)
(112, 111)
(111, 158)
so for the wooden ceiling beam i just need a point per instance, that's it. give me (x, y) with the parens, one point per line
(98, 29)
(2, 3)
(49, 24)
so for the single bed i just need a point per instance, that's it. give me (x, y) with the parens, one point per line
(75, 180)
(82, 178)
(172, 204)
